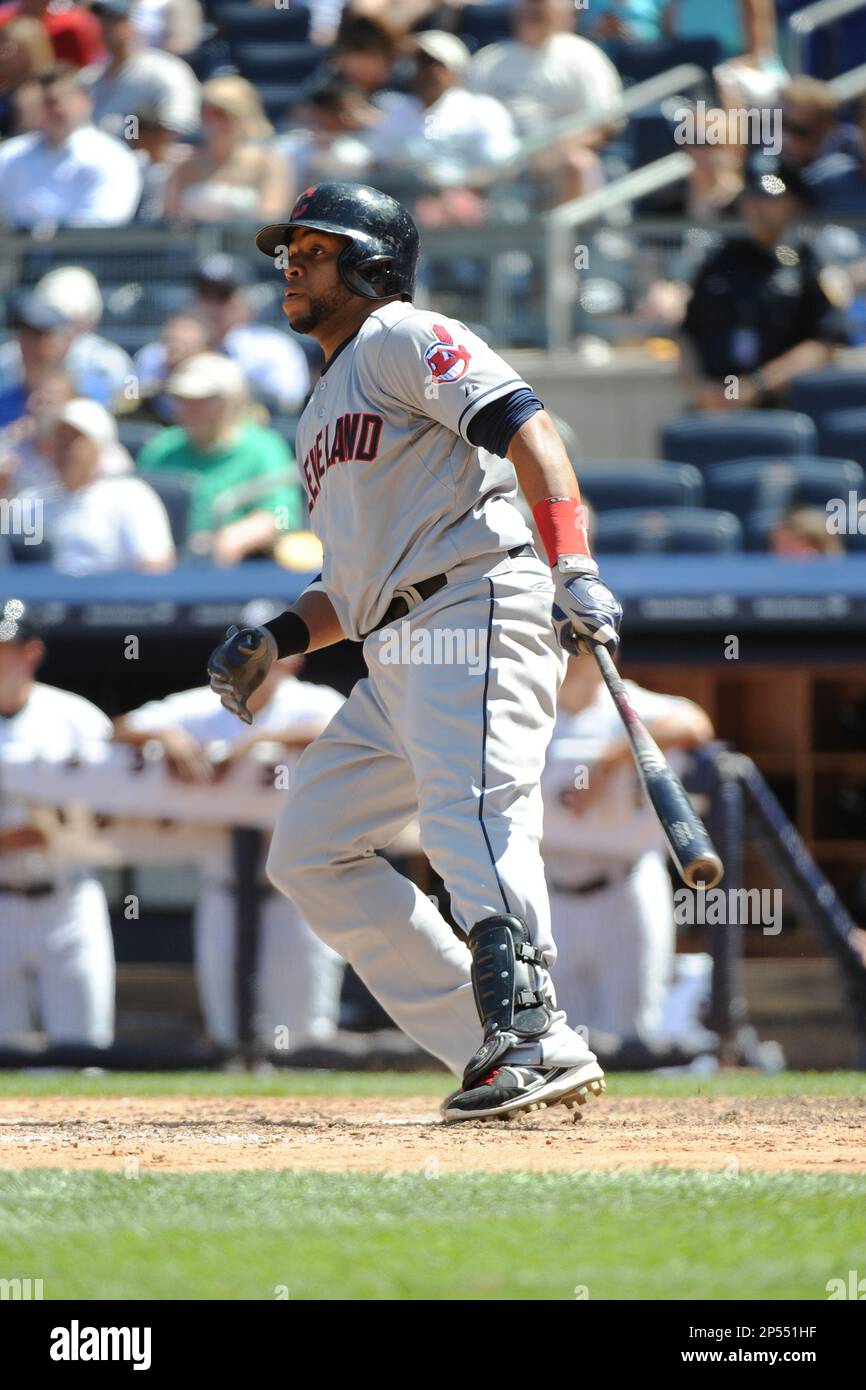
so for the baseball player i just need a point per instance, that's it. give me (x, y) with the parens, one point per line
(56, 951)
(610, 894)
(428, 562)
(298, 977)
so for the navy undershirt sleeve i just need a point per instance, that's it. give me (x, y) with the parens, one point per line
(495, 425)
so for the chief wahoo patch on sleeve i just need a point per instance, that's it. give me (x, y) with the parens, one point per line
(446, 359)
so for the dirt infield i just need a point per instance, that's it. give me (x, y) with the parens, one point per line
(392, 1135)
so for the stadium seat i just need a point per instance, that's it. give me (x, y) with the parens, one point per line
(667, 531)
(175, 492)
(246, 23)
(484, 23)
(277, 62)
(750, 485)
(704, 437)
(134, 434)
(816, 393)
(614, 486)
(635, 62)
(842, 434)
(279, 97)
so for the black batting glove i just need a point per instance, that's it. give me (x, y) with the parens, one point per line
(238, 666)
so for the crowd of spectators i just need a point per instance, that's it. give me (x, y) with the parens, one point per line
(140, 113)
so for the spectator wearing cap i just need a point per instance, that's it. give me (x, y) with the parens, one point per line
(545, 74)
(73, 31)
(95, 524)
(99, 368)
(27, 446)
(25, 52)
(68, 173)
(759, 315)
(234, 176)
(42, 339)
(135, 76)
(273, 363)
(447, 127)
(55, 324)
(247, 489)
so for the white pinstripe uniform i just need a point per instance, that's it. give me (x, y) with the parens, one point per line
(616, 941)
(298, 976)
(56, 952)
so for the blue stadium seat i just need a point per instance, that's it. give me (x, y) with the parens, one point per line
(635, 62)
(842, 433)
(652, 137)
(750, 485)
(279, 97)
(667, 531)
(614, 486)
(175, 490)
(247, 23)
(816, 393)
(277, 62)
(704, 437)
(484, 23)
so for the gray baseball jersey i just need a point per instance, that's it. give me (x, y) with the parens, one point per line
(396, 491)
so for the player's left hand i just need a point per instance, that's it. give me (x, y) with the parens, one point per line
(585, 610)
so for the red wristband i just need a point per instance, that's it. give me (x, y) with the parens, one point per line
(561, 523)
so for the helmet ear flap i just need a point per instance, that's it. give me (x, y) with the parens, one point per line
(370, 275)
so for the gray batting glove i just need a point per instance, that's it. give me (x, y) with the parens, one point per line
(584, 609)
(238, 666)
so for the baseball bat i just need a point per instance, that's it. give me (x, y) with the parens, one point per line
(691, 847)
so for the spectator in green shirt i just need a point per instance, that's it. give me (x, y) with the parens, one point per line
(247, 490)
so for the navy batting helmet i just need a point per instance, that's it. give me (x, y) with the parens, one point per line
(382, 253)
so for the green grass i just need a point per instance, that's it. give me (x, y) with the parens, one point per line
(656, 1235)
(318, 1083)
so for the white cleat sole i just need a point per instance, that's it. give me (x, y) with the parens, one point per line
(572, 1091)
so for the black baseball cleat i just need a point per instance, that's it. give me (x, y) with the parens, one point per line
(511, 1089)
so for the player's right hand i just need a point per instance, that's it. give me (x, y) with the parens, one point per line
(238, 666)
(584, 609)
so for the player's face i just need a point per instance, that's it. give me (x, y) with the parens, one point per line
(314, 289)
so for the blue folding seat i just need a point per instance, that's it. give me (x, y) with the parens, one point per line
(710, 436)
(248, 23)
(614, 486)
(816, 393)
(842, 434)
(277, 62)
(668, 531)
(749, 485)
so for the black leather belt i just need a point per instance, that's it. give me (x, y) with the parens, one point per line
(595, 885)
(398, 607)
(29, 890)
